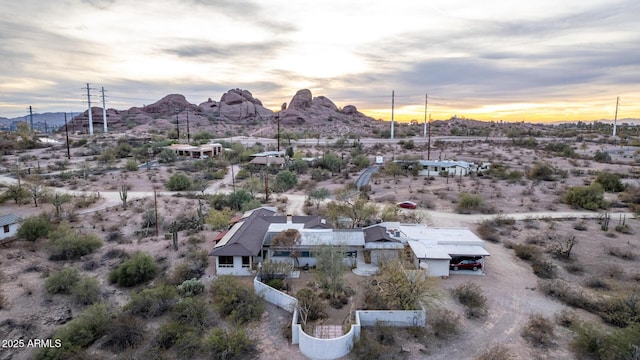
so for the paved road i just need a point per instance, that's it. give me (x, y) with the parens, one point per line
(365, 177)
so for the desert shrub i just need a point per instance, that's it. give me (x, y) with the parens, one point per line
(86, 291)
(191, 287)
(625, 254)
(169, 333)
(542, 171)
(124, 332)
(310, 305)
(538, 331)
(487, 231)
(152, 302)
(622, 310)
(34, 228)
(234, 300)
(233, 344)
(377, 342)
(574, 267)
(469, 203)
(610, 181)
(566, 318)
(193, 266)
(78, 334)
(136, 270)
(167, 156)
(188, 344)
(179, 182)
(568, 294)
(597, 283)
(496, 352)
(602, 156)
(587, 197)
(544, 269)
(444, 323)
(470, 295)
(192, 311)
(600, 344)
(63, 281)
(67, 244)
(131, 165)
(276, 284)
(526, 252)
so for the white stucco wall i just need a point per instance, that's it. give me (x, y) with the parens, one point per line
(236, 270)
(436, 267)
(13, 230)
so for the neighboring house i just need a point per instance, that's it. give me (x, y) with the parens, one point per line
(197, 152)
(453, 168)
(271, 158)
(9, 224)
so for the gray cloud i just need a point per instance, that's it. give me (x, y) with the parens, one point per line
(199, 49)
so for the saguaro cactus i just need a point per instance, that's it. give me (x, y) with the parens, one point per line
(123, 195)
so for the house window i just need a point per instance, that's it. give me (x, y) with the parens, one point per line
(246, 261)
(225, 261)
(350, 254)
(305, 254)
(6, 228)
(281, 253)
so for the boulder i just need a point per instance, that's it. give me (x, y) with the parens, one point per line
(349, 110)
(323, 101)
(301, 100)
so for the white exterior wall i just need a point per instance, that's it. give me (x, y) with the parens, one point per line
(311, 261)
(278, 298)
(398, 318)
(437, 267)
(325, 349)
(13, 230)
(378, 256)
(236, 270)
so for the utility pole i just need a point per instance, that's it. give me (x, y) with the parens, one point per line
(426, 103)
(31, 118)
(429, 141)
(66, 130)
(392, 105)
(90, 115)
(155, 205)
(278, 121)
(266, 180)
(177, 125)
(615, 121)
(188, 133)
(104, 113)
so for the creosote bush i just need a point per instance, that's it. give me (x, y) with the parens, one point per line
(234, 344)
(78, 334)
(152, 302)
(496, 352)
(136, 270)
(86, 291)
(444, 323)
(63, 281)
(234, 300)
(193, 312)
(124, 332)
(538, 331)
(34, 228)
(67, 244)
(470, 295)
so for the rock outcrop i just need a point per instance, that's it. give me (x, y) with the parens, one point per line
(304, 108)
(236, 105)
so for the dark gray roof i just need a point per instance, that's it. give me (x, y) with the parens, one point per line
(8, 219)
(377, 233)
(248, 237)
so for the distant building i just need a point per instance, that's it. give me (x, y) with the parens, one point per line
(9, 224)
(197, 152)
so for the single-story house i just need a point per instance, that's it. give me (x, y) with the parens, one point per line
(453, 168)
(271, 158)
(248, 241)
(197, 152)
(9, 224)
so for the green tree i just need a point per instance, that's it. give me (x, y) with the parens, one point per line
(318, 195)
(253, 185)
(179, 182)
(219, 219)
(392, 168)
(331, 162)
(330, 267)
(167, 156)
(299, 166)
(285, 180)
(234, 300)
(361, 161)
(602, 156)
(16, 193)
(67, 244)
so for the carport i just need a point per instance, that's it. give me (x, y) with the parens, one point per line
(468, 251)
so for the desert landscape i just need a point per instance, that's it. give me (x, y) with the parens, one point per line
(115, 230)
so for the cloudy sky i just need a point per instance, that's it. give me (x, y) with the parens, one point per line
(543, 60)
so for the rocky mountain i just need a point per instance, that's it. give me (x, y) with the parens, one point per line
(236, 106)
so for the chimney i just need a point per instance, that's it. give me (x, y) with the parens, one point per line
(289, 219)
